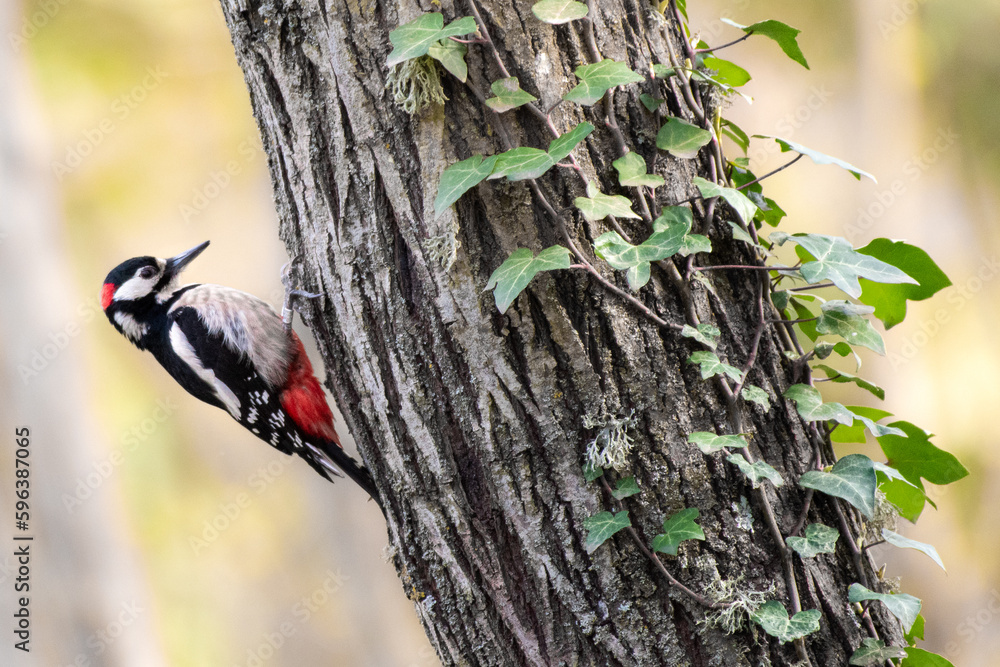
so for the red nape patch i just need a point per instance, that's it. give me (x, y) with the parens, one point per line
(107, 293)
(303, 398)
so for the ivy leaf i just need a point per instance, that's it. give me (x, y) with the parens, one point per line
(825, 349)
(770, 212)
(847, 320)
(782, 33)
(817, 157)
(508, 95)
(851, 478)
(875, 652)
(728, 73)
(756, 395)
(712, 366)
(451, 55)
(811, 407)
(678, 528)
(908, 499)
(915, 457)
(592, 472)
(709, 443)
(904, 607)
(734, 132)
(597, 205)
(513, 275)
(522, 163)
(625, 488)
(637, 276)
(602, 526)
(695, 243)
(459, 178)
(682, 139)
(916, 632)
(898, 540)
(706, 334)
(918, 657)
(558, 11)
(564, 144)
(890, 300)
(415, 38)
(632, 172)
(650, 102)
(669, 231)
(837, 261)
(819, 539)
(756, 471)
(739, 201)
(856, 432)
(841, 377)
(598, 78)
(773, 619)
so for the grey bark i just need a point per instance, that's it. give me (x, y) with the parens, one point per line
(470, 420)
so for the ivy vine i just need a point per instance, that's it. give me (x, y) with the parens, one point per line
(877, 281)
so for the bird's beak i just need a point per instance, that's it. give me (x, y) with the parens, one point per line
(176, 264)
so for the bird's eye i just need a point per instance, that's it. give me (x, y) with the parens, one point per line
(147, 272)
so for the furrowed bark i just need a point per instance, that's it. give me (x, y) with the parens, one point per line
(472, 421)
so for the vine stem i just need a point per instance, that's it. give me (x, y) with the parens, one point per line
(700, 599)
(748, 267)
(772, 173)
(723, 46)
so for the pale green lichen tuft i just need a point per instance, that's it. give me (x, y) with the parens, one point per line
(416, 84)
(738, 604)
(612, 444)
(443, 249)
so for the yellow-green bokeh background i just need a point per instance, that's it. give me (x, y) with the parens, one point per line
(150, 91)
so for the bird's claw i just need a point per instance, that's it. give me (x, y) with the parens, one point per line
(288, 308)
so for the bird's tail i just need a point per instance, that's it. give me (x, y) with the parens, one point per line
(332, 460)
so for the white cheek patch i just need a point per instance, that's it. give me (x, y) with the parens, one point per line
(137, 287)
(182, 346)
(132, 329)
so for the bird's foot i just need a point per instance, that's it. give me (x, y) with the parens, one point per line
(288, 308)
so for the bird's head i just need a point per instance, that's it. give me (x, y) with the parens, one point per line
(134, 289)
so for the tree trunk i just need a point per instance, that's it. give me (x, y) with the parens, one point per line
(473, 422)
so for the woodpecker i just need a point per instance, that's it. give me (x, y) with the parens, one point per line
(230, 349)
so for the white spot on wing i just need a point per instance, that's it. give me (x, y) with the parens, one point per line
(182, 346)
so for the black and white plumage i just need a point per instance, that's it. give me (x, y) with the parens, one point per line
(230, 349)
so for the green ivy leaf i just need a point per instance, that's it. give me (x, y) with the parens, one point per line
(522, 163)
(756, 395)
(451, 55)
(682, 139)
(904, 607)
(908, 499)
(825, 349)
(637, 276)
(918, 657)
(602, 526)
(592, 472)
(916, 632)
(632, 172)
(598, 78)
(898, 540)
(678, 528)
(513, 275)
(564, 144)
(819, 539)
(770, 212)
(459, 178)
(817, 157)
(709, 443)
(840, 377)
(734, 132)
(597, 205)
(694, 244)
(508, 95)
(650, 102)
(837, 261)
(669, 231)
(875, 652)
(756, 471)
(773, 619)
(415, 38)
(916, 458)
(706, 334)
(782, 33)
(856, 432)
(890, 300)
(559, 11)
(847, 320)
(712, 366)
(851, 478)
(661, 71)
(728, 73)
(739, 201)
(625, 488)
(811, 407)
(697, 75)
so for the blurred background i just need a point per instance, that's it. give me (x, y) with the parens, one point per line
(166, 535)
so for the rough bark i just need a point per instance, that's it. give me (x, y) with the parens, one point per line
(470, 420)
